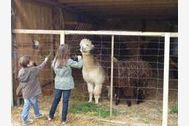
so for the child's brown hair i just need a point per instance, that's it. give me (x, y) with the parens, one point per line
(24, 61)
(62, 55)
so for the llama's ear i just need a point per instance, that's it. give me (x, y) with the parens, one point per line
(80, 49)
(92, 46)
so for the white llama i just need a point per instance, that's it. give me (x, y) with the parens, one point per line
(92, 71)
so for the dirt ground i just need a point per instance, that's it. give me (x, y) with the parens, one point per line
(148, 113)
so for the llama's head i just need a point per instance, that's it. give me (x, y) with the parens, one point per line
(86, 46)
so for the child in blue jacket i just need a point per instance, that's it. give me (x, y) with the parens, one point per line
(64, 82)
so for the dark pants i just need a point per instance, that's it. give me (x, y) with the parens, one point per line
(57, 97)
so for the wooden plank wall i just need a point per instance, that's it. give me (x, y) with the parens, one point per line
(36, 15)
(32, 15)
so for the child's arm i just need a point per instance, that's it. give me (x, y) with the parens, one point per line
(76, 64)
(38, 68)
(42, 65)
(53, 65)
(23, 78)
(18, 89)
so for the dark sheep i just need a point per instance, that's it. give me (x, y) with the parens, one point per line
(130, 79)
(130, 76)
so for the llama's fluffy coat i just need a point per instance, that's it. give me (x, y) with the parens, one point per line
(92, 71)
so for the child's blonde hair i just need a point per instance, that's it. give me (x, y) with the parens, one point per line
(62, 55)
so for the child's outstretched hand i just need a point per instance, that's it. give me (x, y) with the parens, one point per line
(46, 59)
(79, 57)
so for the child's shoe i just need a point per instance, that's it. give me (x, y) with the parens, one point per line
(49, 118)
(39, 116)
(63, 122)
(30, 121)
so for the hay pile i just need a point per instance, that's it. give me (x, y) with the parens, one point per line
(146, 114)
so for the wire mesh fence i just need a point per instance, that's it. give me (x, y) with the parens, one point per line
(137, 81)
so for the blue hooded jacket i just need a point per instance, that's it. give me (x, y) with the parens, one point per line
(63, 75)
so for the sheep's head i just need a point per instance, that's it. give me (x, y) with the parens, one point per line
(86, 46)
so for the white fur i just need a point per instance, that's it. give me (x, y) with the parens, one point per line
(92, 71)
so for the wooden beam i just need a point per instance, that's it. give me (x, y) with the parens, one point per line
(135, 12)
(121, 4)
(113, 1)
(126, 7)
(82, 15)
(49, 2)
(118, 9)
(130, 5)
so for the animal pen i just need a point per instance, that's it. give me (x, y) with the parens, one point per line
(146, 60)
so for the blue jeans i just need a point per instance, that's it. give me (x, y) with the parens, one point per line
(33, 101)
(57, 97)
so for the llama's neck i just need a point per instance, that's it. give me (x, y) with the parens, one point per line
(89, 61)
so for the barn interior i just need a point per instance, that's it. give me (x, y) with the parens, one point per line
(112, 15)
